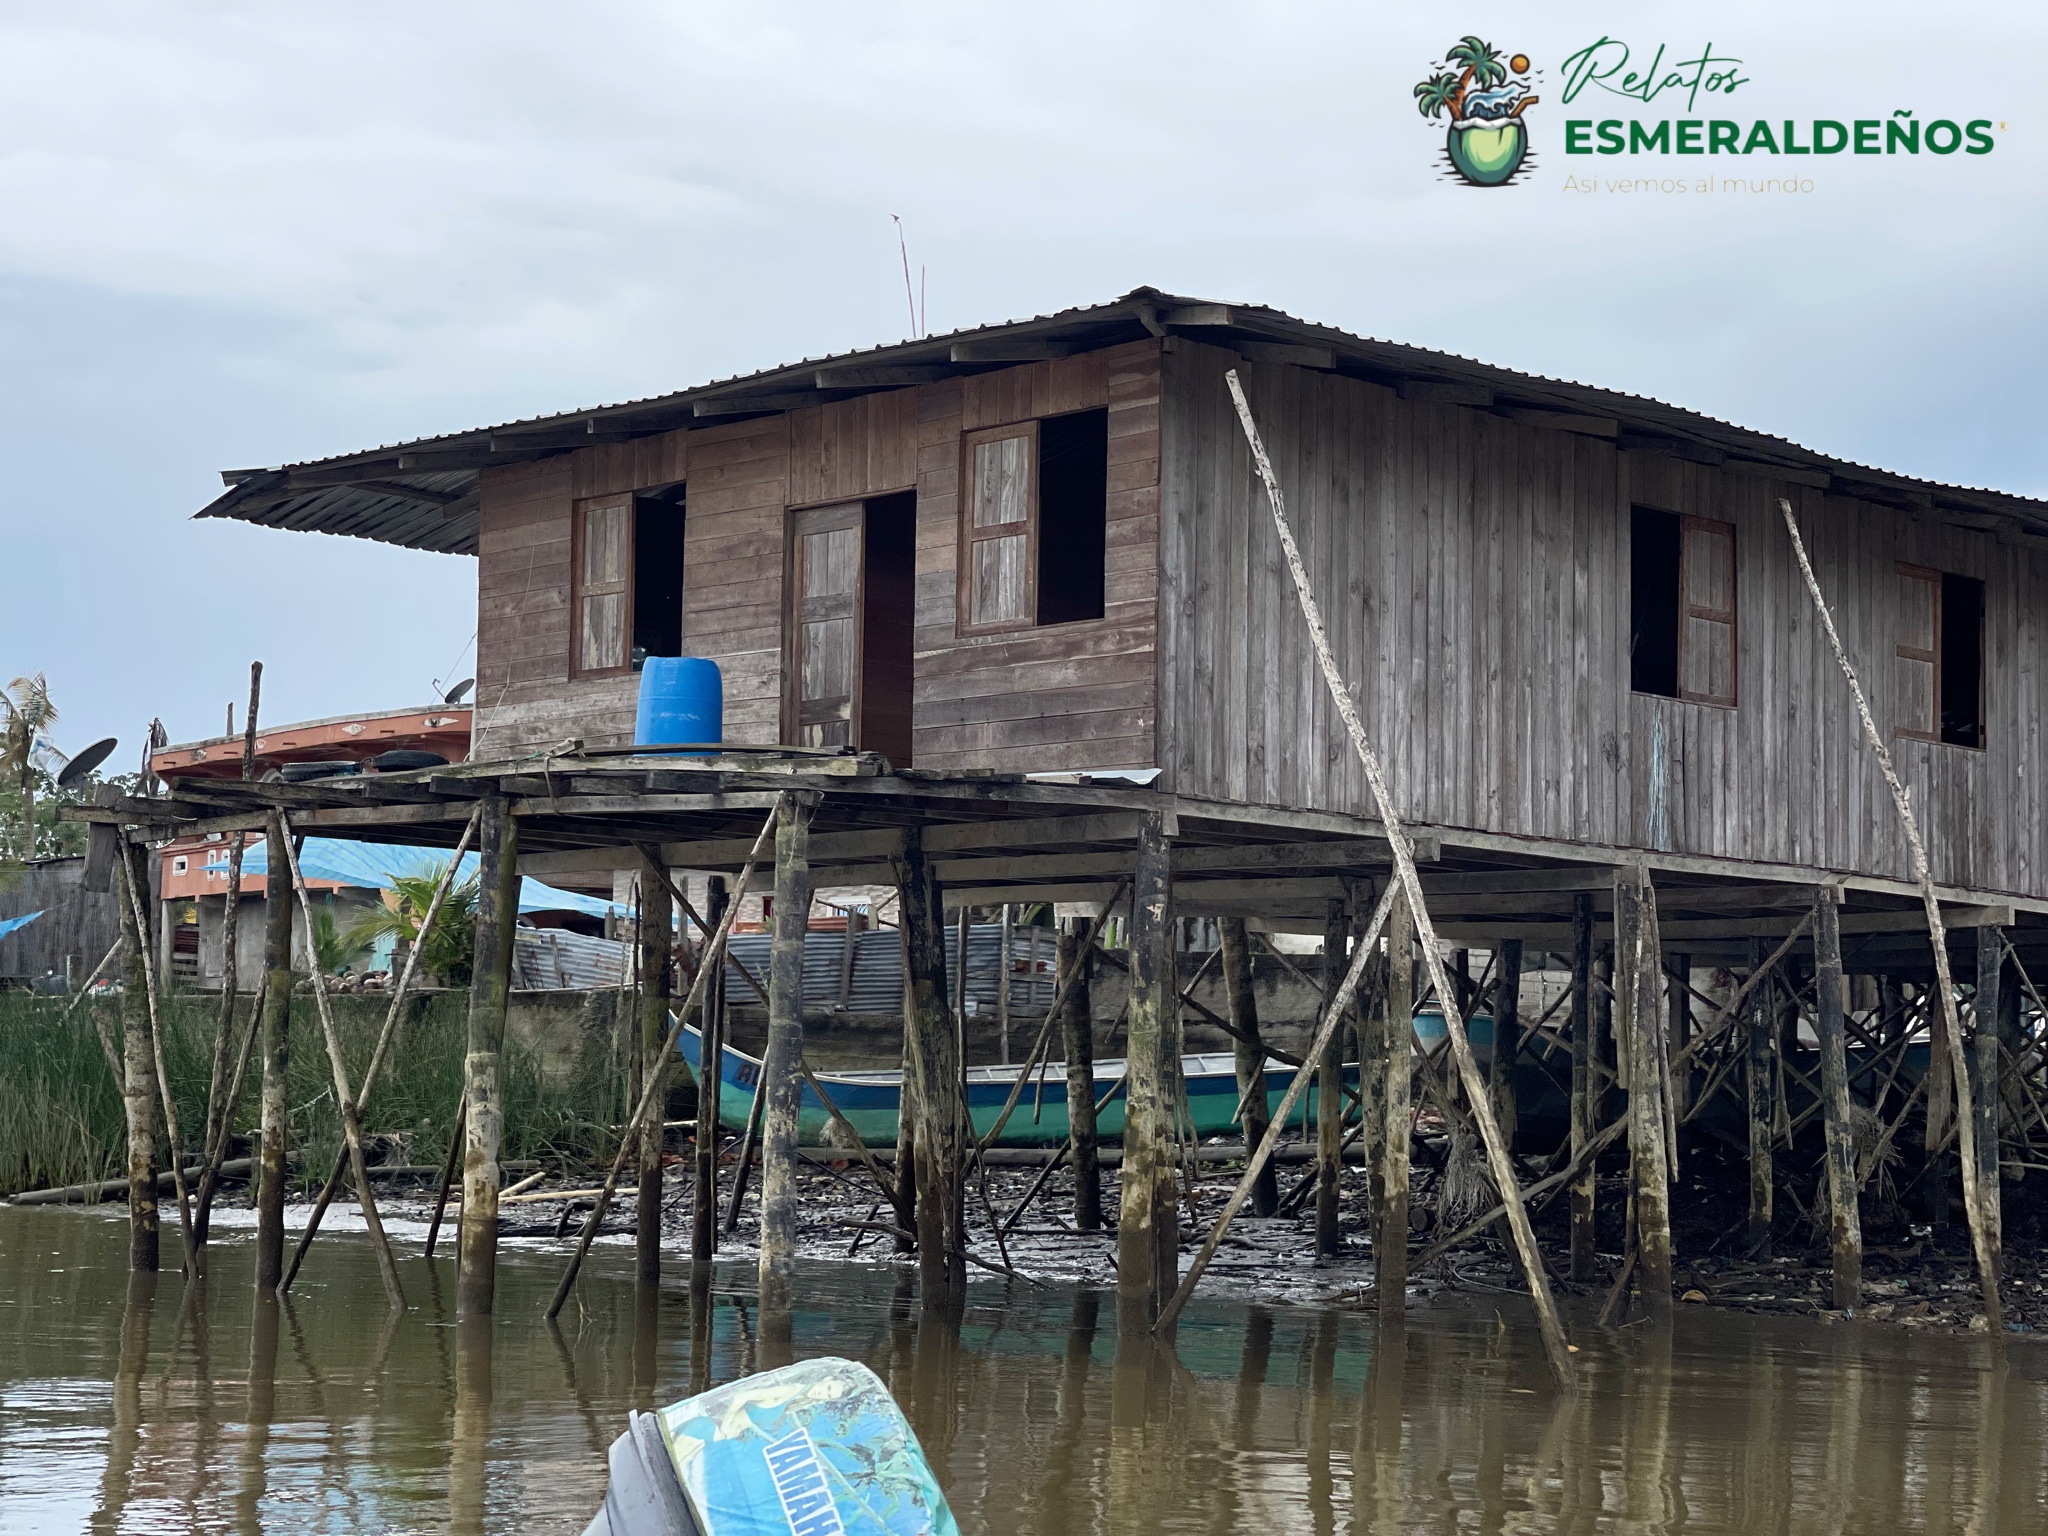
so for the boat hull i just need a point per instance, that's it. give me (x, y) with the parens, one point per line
(870, 1100)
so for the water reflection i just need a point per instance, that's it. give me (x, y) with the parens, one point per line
(143, 1405)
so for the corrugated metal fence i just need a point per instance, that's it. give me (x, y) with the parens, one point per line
(553, 957)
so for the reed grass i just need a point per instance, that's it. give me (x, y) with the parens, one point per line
(61, 1119)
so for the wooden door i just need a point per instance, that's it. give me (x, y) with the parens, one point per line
(825, 629)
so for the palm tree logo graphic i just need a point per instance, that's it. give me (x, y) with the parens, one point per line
(1484, 98)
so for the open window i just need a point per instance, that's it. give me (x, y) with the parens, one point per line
(627, 563)
(1938, 657)
(1682, 607)
(1034, 524)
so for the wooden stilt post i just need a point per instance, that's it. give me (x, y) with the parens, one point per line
(656, 938)
(1638, 1021)
(1499, 1166)
(905, 1203)
(1679, 1005)
(1845, 1226)
(1985, 1087)
(1009, 929)
(1585, 1094)
(1761, 1078)
(1983, 1238)
(138, 1085)
(135, 888)
(220, 1098)
(942, 1131)
(1330, 1090)
(273, 1169)
(1393, 1060)
(1507, 1048)
(782, 1083)
(1507, 1033)
(711, 1014)
(713, 957)
(1077, 1027)
(497, 914)
(1250, 1052)
(1148, 1213)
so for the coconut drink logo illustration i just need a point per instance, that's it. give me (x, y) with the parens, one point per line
(1484, 99)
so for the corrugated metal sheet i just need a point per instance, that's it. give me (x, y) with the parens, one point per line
(877, 981)
(554, 957)
(412, 494)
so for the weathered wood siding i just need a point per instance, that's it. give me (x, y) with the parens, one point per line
(1075, 695)
(1070, 695)
(1475, 578)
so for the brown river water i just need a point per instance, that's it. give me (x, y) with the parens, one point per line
(148, 1406)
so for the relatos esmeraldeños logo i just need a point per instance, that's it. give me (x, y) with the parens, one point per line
(1606, 69)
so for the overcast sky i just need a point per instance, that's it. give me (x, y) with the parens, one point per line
(249, 234)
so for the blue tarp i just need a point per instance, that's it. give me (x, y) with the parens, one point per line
(370, 866)
(9, 925)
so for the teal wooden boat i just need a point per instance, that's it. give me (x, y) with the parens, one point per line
(870, 1100)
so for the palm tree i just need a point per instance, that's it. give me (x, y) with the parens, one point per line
(1439, 93)
(447, 948)
(28, 713)
(1482, 66)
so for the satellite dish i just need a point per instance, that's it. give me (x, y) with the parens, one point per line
(86, 761)
(454, 695)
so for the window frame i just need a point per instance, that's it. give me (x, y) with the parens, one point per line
(963, 576)
(1688, 611)
(1929, 656)
(580, 511)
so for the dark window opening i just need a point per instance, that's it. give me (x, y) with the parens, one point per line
(1654, 544)
(888, 616)
(1073, 516)
(1962, 660)
(658, 573)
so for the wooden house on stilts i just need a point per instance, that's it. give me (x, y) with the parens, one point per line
(1002, 617)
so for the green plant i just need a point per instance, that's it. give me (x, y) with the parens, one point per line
(446, 948)
(334, 950)
(25, 713)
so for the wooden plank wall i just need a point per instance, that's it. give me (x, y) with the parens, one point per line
(1475, 577)
(1069, 696)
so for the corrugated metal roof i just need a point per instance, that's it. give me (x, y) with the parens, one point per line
(422, 493)
(877, 980)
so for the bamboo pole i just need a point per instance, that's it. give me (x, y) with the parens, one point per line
(710, 1085)
(1501, 1168)
(351, 1121)
(134, 885)
(441, 1185)
(384, 1036)
(1983, 1235)
(713, 958)
(748, 1140)
(1333, 1016)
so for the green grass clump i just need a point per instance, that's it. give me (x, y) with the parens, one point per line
(61, 1118)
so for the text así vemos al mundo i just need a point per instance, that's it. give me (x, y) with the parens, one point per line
(1901, 133)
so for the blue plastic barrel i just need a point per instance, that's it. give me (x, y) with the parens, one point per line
(682, 702)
